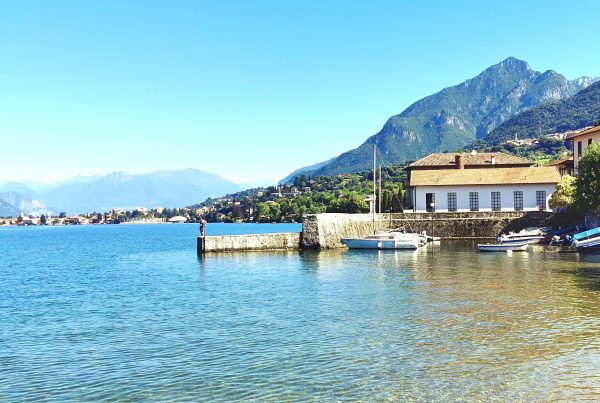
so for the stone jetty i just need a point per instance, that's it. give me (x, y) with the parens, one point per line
(324, 231)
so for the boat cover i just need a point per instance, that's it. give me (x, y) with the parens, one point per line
(587, 234)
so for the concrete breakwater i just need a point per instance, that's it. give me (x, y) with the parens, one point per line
(224, 243)
(324, 231)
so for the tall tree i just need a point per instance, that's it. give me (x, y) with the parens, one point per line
(564, 195)
(587, 192)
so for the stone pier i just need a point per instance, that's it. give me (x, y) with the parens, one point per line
(324, 231)
(225, 243)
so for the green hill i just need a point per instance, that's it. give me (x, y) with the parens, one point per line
(580, 110)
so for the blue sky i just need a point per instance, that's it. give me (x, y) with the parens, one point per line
(248, 90)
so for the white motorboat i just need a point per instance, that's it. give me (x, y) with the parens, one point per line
(384, 240)
(503, 247)
(528, 235)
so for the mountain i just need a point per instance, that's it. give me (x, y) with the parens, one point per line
(7, 209)
(256, 184)
(17, 187)
(70, 181)
(121, 190)
(17, 198)
(580, 110)
(458, 115)
(13, 203)
(309, 170)
(116, 190)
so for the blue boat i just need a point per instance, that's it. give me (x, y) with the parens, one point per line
(587, 240)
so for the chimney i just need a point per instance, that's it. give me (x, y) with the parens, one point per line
(459, 161)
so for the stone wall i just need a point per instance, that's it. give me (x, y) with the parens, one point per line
(282, 241)
(466, 225)
(324, 231)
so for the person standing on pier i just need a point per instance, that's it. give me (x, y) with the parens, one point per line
(202, 227)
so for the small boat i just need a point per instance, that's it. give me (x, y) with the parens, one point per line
(560, 235)
(503, 247)
(589, 246)
(423, 237)
(586, 240)
(528, 235)
(384, 240)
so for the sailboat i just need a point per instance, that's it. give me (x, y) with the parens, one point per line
(382, 240)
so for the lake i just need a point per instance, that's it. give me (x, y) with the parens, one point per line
(130, 312)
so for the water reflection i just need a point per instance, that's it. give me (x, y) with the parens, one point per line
(118, 313)
(442, 322)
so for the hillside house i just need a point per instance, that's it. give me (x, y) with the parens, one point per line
(582, 140)
(294, 192)
(463, 182)
(565, 166)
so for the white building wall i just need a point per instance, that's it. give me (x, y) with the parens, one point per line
(485, 196)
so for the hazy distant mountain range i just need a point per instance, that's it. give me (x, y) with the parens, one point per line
(116, 190)
(458, 115)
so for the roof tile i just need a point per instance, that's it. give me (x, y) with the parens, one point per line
(490, 176)
(478, 159)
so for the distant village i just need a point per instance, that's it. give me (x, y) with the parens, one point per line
(213, 210)
(138, 215)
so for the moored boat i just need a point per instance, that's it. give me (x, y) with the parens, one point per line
(560, 236)
(503, 247)
(385, 240)
(587, 240)
(423, 237)
(528, 235)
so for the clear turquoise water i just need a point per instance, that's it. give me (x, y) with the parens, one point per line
(132, 313)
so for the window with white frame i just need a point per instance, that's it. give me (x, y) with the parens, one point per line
(518, 199)
(540, 199)
(474, 201)
(496, 203)
(452, 201)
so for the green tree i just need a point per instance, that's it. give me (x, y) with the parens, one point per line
(275, 213)
(587, 192)
(261, 210)
(564, 195)
(62, 215)
(349, 203)
(43, 219)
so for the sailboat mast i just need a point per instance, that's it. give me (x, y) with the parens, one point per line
(374, 184)
(379, 198)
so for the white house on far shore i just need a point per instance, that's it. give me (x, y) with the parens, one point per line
(479, 182)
